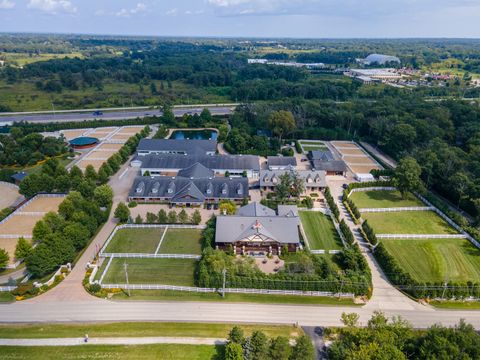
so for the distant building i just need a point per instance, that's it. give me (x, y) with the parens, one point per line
(313, 180)
(281, 162)
(173, 146)
(18, 177)
(372, 75)
(287, 63)
(379, 59)
(257, 230)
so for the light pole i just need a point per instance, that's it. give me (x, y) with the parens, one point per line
(53, 108)
(125, 266)
(224, 273)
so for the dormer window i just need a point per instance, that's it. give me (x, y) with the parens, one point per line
(265, 178)
(155, 187)
(239, 189)
(171, 188)
(209, 190)
(140, 187)
(224, 189)
(274, 179)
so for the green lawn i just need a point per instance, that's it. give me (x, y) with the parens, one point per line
(6, 297)
(133, 352)
(408, 222)
(135, 241)
(136, 329)
(320, 231)
(152, 271)
(437, 260)
(456, 305)
(167, 295)
(383, 199)
(182, 241)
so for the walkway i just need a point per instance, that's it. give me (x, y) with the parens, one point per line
(112, 341)
(385, 296)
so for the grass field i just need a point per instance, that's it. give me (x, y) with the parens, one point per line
(6, 297)
(383, 199)
(143, 241)
(133, 352)
(320, 231)
(182, 241)
(437, 260)
(152, 271)
(167, 295)
(456, 305)
(408, 222)
(310, 145)
(137, 329)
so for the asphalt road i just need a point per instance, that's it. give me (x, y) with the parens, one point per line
(110, 115)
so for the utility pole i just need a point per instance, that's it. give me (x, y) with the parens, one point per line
(224, 273)
(125, 266)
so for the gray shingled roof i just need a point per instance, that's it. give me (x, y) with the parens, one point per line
(334, 165)
(175, 161)
(281, 229)
(196, 171)
(312, 178)
(287, 210)
(321, 155)
(281, 161)
(179, 189)
(191, 147)
(255, 209)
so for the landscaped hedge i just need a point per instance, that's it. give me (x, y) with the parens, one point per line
(352, 209)
(298, 147)
(359, 185)
(331, 203)
(368, 233)
(347, 233)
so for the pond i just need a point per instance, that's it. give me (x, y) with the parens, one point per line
(194, 134)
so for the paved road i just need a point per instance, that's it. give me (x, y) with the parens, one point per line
(112, 341)
(111, 115)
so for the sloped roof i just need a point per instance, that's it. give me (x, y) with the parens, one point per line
(321, 155)
(281, 229)
(334, 165)
(194, 146)
(196, 171)
(281, 161)
(189, 193)
(317, 177)
(287, 210)
(255, 209)
(158, 187)
(176, 161)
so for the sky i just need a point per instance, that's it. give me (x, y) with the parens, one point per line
(246, 18)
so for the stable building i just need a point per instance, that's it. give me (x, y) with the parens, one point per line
(174, 146)
(221, 165)
(326, 161)
(314, 180)
(281, 162)
(258, 230)
(188, 192)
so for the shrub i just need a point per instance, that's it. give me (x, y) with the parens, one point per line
(132, 204)
(298, 147)
(24, 289)
(94, 288)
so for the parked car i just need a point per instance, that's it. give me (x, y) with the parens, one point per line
(345, 186)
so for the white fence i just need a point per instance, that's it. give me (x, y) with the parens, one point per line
(151, 256)
(146, 226)
(397, 209)
(420, 236)
(19, 210)
(7, 288)
(105, 270)
(373, 188)
(9, 185)
(227, 290)
(50, 281)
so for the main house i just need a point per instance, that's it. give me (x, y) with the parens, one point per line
(257, 230)
(314, 180)
(193, 186)
(220, 165)
(173, 146)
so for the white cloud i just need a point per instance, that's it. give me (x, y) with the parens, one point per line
(7, 4)
(139, 8)
(172, 12)
(194, 12)
(53, 6)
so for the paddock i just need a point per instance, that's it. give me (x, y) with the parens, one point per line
(42, 204)
(10, 195)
